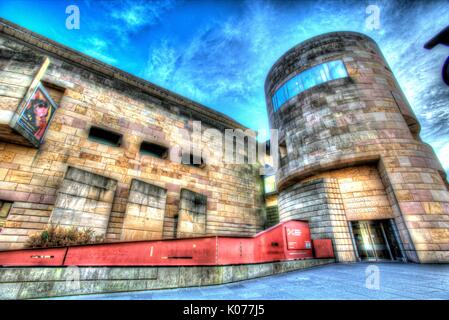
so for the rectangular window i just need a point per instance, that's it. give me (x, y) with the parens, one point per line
(154, 150)
(104, 136)
(283, 149)
(275, 103)
(196, 161)
(5, 207)
(269, 184)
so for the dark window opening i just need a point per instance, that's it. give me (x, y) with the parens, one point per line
(105, 136)
(154, 150)
(191, 160)
(244, 150)
(196, 161)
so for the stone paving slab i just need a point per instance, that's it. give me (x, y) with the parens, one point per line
(336, 281)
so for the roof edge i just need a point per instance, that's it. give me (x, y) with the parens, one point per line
(306, 41)
(80, 59)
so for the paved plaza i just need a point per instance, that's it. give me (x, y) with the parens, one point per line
(336, 281)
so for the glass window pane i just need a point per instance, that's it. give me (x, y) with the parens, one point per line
(274, 102)
(337, 69)
(270, 184)
(308, 79)
(325, 73)
(280, 96)
(316, 72)
(293, 87)
(286, 96)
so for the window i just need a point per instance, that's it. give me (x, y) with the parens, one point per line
(154, 150)
(283, 149)
(191, 160)
(307, 79)
(5, 207)
(105, 136)
(269, 184)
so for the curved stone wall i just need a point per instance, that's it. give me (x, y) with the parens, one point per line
(362, 119)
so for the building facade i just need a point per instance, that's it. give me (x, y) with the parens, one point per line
(86, 145)
(352, 161)
(106, 160)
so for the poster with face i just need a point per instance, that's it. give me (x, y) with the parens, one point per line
(37, 114)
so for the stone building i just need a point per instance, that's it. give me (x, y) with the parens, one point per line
(106, 159)
(85, 144)
(351, 158)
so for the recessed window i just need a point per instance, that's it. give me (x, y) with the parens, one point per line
(104, 136)
(5, 207)
(283, 149)
(154, 150)
(190, 160)
(307, 79)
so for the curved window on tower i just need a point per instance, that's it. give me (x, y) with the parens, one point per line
(307, 79)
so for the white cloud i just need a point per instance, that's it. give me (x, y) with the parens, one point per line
(225, 63)
(97, 48)
(136, 14)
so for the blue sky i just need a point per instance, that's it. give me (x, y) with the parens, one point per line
(219, 52)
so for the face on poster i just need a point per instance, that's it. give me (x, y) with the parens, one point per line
(37, 114)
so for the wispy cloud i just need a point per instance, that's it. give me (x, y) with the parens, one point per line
(136, 14)
(132, 15)
(225, 62)
(97, 48)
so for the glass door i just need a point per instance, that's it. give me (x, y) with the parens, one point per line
(374, 240)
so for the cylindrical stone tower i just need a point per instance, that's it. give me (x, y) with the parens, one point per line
(351, 159)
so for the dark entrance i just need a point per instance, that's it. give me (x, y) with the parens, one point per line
(375, 240)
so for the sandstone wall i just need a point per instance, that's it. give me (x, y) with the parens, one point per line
(360, 119)
(32, 178)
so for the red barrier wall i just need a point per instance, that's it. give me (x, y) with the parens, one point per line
(323, 248)
(33, 257)
(286, 241)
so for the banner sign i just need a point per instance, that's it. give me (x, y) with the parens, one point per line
(36, 115)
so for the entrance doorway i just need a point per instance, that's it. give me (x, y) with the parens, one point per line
(375, 240)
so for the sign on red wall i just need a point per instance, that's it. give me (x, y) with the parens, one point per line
(297, 239)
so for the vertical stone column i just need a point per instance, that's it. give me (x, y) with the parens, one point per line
(84, 200)
(144, 216)
(192, 215)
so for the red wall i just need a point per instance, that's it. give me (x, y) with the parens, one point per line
(285, 241)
